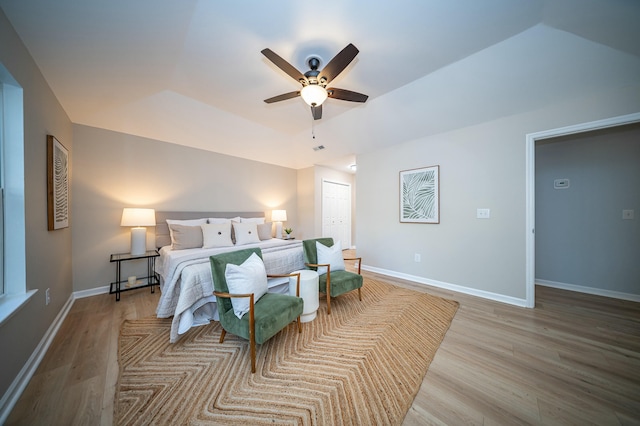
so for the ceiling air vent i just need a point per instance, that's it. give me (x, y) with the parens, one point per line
(318, 148)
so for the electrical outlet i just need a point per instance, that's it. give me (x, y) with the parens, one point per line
(416, 257)
(561, 183)
(47, 295)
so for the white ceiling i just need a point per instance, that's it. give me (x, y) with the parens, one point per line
(190, 72)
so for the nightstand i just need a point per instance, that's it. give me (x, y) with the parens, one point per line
(150, 280)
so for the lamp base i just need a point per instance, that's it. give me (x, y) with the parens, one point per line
(278, 229)
(138, 241)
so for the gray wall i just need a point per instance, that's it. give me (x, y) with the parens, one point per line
(481, 166)
(48, 254)
(306, 204)
(116, 170)
(581, 238)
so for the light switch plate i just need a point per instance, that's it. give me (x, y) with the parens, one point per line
(627, 214)
(483, 213)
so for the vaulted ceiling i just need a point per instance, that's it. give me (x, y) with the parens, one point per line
(190, 72)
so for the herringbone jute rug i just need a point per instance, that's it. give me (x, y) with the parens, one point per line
(361, 365)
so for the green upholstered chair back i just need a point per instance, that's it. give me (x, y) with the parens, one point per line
(333, 283)
(310, 250)
(219, 266)
(266, 316)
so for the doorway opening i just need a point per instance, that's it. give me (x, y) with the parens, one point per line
(530, 186)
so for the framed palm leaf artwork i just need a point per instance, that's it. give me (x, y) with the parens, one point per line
(420, 195)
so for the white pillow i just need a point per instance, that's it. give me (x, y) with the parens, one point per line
(185, 222)
(216, 235)
(250, 277)
(330, 255)
(258, 220)
(188, 222)
(223, 220)
(245, 233)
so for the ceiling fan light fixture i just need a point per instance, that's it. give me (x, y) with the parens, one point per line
(313, 94)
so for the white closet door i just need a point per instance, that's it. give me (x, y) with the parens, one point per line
(336, 212)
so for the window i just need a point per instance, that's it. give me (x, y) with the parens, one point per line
(1, 197)
(14, 280)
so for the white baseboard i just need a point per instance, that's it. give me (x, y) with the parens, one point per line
(453, 287)
(589, 290)
(11, 396)
(91, 292)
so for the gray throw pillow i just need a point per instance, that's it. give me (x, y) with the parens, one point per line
(186, 237)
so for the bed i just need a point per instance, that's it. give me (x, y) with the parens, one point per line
(183, 266)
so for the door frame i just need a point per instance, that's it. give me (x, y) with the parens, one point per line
(530, 192)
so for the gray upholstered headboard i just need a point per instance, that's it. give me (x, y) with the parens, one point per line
(162, 229)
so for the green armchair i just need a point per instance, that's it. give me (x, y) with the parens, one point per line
(266, 316)
(333, 283)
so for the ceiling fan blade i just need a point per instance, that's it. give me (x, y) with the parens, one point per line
(346, 95)
(282, 97)
(285, 66)
(316, 111)
(338, 64)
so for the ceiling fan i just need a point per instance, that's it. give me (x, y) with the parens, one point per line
(314, 82)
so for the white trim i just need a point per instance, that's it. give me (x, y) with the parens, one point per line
(13, 146)
(21, 381)
(12, 303)
(589, 290)
(530, 209)
(530, 222)
(91, 292)
(453, 287)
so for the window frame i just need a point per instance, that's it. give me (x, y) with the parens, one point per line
(15, 293)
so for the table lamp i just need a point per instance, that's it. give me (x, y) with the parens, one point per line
(279, 216)
(138, 218)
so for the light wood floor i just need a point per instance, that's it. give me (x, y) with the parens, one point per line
(574, 359)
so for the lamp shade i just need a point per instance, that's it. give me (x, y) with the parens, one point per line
(138, 217)
(313, 94)
(279, 216)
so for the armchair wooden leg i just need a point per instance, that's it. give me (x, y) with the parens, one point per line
(252, 333)
(360, 294)
(299, 325)
(328, 290)
(224, 333)
(253, 355)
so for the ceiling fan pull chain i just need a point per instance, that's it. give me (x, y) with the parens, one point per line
(313, 131)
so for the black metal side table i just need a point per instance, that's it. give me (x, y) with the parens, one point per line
(150, 280)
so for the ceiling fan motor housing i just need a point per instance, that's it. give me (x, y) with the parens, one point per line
(312, 74)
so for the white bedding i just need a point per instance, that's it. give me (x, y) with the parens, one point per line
(187, 288)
